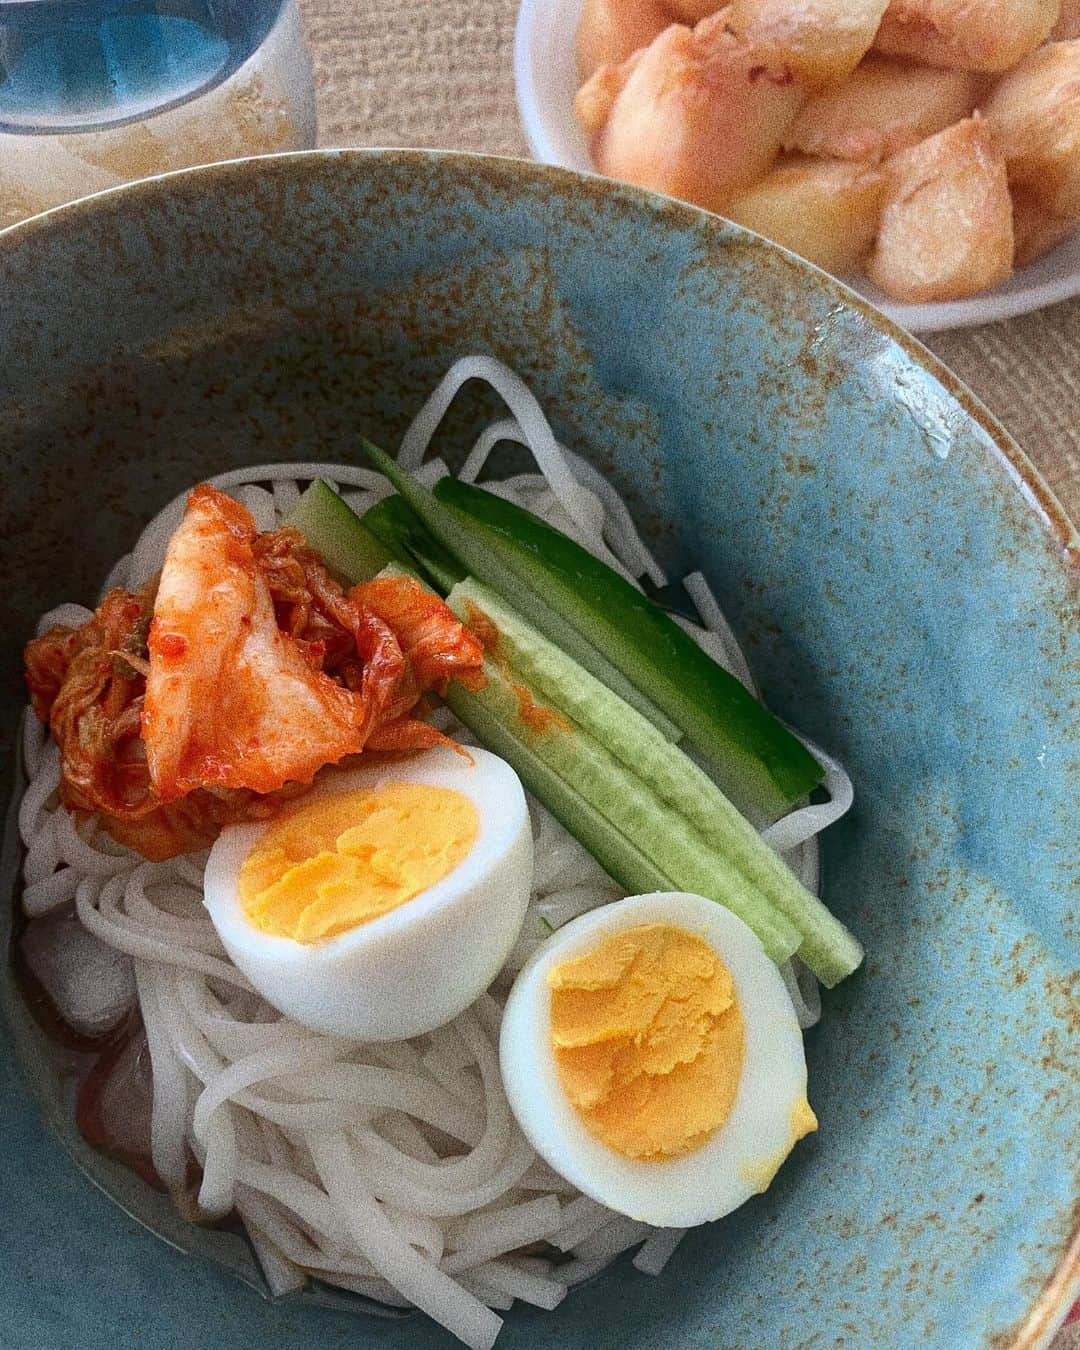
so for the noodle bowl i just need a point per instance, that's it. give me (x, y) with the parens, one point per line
(393, 1170)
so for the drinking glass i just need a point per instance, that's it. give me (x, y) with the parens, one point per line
(97, 92)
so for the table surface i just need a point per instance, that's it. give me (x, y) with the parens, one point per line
(438, 73)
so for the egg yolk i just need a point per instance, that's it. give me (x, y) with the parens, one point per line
(647, 1036)
(344, 860)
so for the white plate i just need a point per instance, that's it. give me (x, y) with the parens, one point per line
(546, 80)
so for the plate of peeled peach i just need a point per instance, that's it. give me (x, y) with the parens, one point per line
(926, 152)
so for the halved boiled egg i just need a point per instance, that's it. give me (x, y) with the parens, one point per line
(651, 1053)
(382, 902)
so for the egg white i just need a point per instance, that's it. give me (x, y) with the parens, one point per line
(418, 966)
(736, 1162)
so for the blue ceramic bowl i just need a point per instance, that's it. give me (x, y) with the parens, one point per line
(902, 582)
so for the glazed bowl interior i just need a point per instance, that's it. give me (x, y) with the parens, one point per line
(899, 576)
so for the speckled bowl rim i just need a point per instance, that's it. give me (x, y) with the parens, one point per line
(1062, 1287)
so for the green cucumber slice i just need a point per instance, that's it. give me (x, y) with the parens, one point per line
(400, 529)
(620, 858)
(762, 767)
(473, 552)
(336, 534)
(827, 947)
(669, 843)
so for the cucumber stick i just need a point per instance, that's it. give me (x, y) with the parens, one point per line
(474, 552)
(396, 524)
(827, 947)
(335, 532)
(647, 838)
(763, 768)
(357, 553)
(665, 838)
(620, 858)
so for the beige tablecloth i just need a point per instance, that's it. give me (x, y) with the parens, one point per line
(438, 73)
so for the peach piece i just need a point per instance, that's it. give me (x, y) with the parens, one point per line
(946, 231)
(610, 30)
(884, 106)
(825, 210)
(700, 115)
(1068, 26)
(693, 11)
(1035, 231)
(822, 40)
(988, 35)
(595, 99)
(1034, 115)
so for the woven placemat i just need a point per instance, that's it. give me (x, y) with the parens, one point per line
(438, 73)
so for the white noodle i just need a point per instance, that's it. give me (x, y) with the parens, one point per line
(488, 1296)
(41, 788)
(149, 552)
(581, 1218)
(307, 1202)
(261, 505)
(420, 1282)
(579, 504)
(502, 1278)
(168, 1121)
(430, 472)
(577, 1270)
(658, 1249)
(75, 851)
(99, 911)
(189, 869)
(33, 741)
(64, 616)
(282, 1275)
(450, 1048)
(589, 526)
(400, 1130)
(482, 1236)
(53, 893)
(805, 992)
(489, 438)
(404, 1189)
(378, 1290)
(394, 1170)
(118, 575)
(712, 616)
(286, 494)
(356, 1086)
(245, 1073)
(44, 858)
(619, 528)
(445, 1062)
(616, 1236)
(419, 1231)
(808, 821)
(216, 1148)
